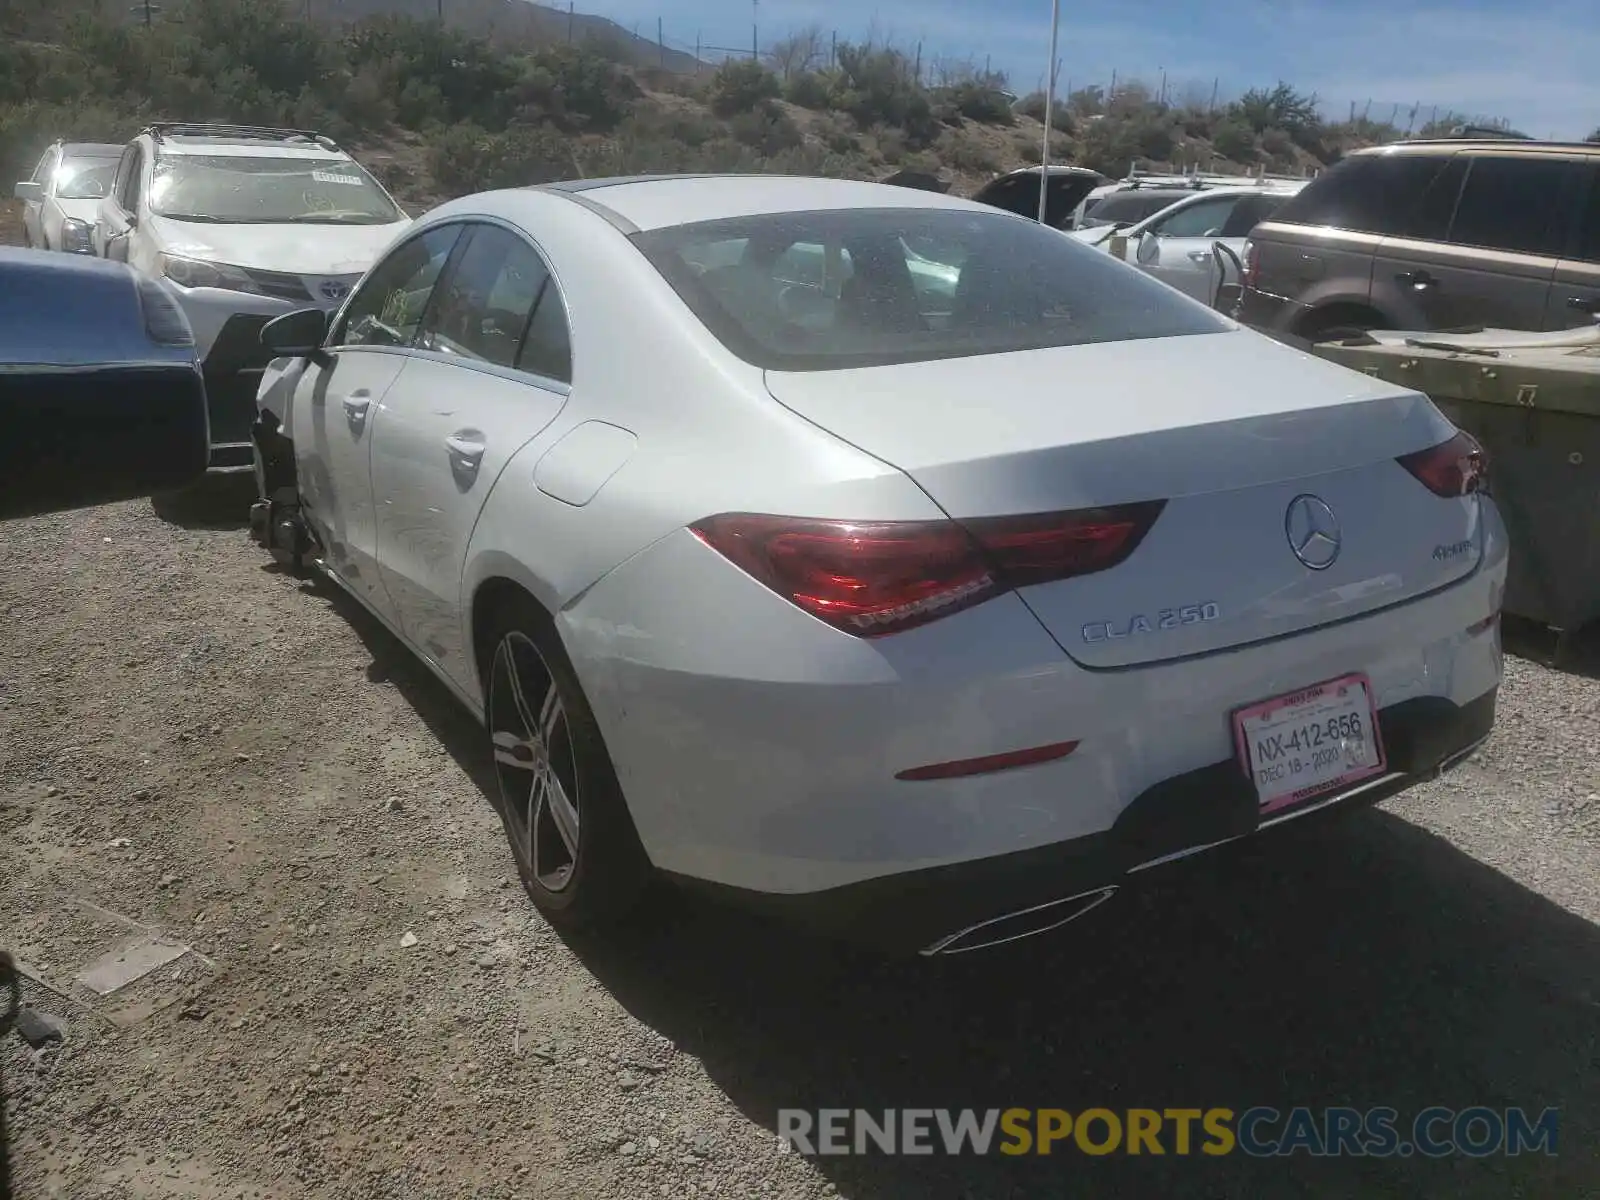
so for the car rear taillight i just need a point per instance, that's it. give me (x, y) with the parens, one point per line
(879, 577)
(1252, 266)
(1457, 467)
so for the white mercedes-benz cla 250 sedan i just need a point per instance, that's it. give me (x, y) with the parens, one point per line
(874, 556)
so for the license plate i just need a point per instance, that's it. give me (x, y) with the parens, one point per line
(1320, 739)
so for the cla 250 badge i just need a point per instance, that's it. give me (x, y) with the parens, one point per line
(1166, 618)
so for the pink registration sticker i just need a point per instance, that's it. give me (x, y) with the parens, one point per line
(1321, 739)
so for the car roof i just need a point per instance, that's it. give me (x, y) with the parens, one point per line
(1243, 189)
(1477, 145)
(1133, 190)
(641, 202)
(244, 147)
(90, 150)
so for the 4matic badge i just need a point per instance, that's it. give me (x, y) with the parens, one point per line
(1166, 618)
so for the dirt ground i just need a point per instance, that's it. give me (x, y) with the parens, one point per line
(195, 746)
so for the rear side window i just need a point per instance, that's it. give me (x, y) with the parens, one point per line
(1588, 247)
(923, 284)
(1250, 212)
(1367, 193)
(1515, 204)
(482, 307)
(1430, 220)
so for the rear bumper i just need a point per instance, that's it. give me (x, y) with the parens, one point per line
(1200, 810)
(759, 749)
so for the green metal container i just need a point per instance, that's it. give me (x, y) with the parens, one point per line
(1533, 401)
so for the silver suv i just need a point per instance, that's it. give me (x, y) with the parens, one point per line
(1433, 236)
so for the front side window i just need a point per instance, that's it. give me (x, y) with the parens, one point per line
(482, 309)
(132, 172)
(923, 284)
(42, 169)
(1515, 204)
(1203, 218)
(388, 306)
(84, 178)
(239, 189)
(1129, 207)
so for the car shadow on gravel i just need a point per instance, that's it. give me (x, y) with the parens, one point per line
(394, 664)
(1575, 653)
(216, 502)
(1360, 961)
(1352, 960)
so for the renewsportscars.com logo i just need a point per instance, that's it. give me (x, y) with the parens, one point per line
(1259, 1132)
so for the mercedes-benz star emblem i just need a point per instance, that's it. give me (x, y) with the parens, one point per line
(333, 289)
(1313, 532)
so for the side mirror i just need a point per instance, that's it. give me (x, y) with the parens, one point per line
(1149, 249)
(29, 191)
(296, 335)
(101, 396)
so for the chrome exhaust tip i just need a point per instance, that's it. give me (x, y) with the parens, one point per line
(1024, 923)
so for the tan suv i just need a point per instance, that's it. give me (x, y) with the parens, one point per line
(1433, 235)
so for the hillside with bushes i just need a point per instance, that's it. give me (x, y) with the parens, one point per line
(502, 96)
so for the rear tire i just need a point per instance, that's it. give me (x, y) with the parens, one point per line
(570, 831)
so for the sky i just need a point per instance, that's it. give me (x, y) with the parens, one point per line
(1537, 65)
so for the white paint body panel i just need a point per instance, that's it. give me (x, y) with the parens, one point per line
(757, 746)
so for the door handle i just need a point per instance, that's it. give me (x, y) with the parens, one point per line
(1199, 256)
(1588, 304)
(356, 405)
(1416, 279)
(466, 449)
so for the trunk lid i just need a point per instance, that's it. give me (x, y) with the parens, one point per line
(1231, 429)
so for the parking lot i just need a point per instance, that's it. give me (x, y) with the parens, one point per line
(198, 748)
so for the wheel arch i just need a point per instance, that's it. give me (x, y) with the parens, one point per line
(1340, 311)
(498, 579)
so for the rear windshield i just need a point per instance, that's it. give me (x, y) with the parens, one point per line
(817, 291)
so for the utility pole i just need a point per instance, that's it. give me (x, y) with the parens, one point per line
(1049, 111)
(755, 30)
(661, 45)
(569, 22)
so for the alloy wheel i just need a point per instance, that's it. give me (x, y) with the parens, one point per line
(535, 762)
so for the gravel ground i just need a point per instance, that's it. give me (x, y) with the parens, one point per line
(195, 744)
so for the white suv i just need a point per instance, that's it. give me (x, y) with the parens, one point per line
(243, 224)
(1174, 244)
